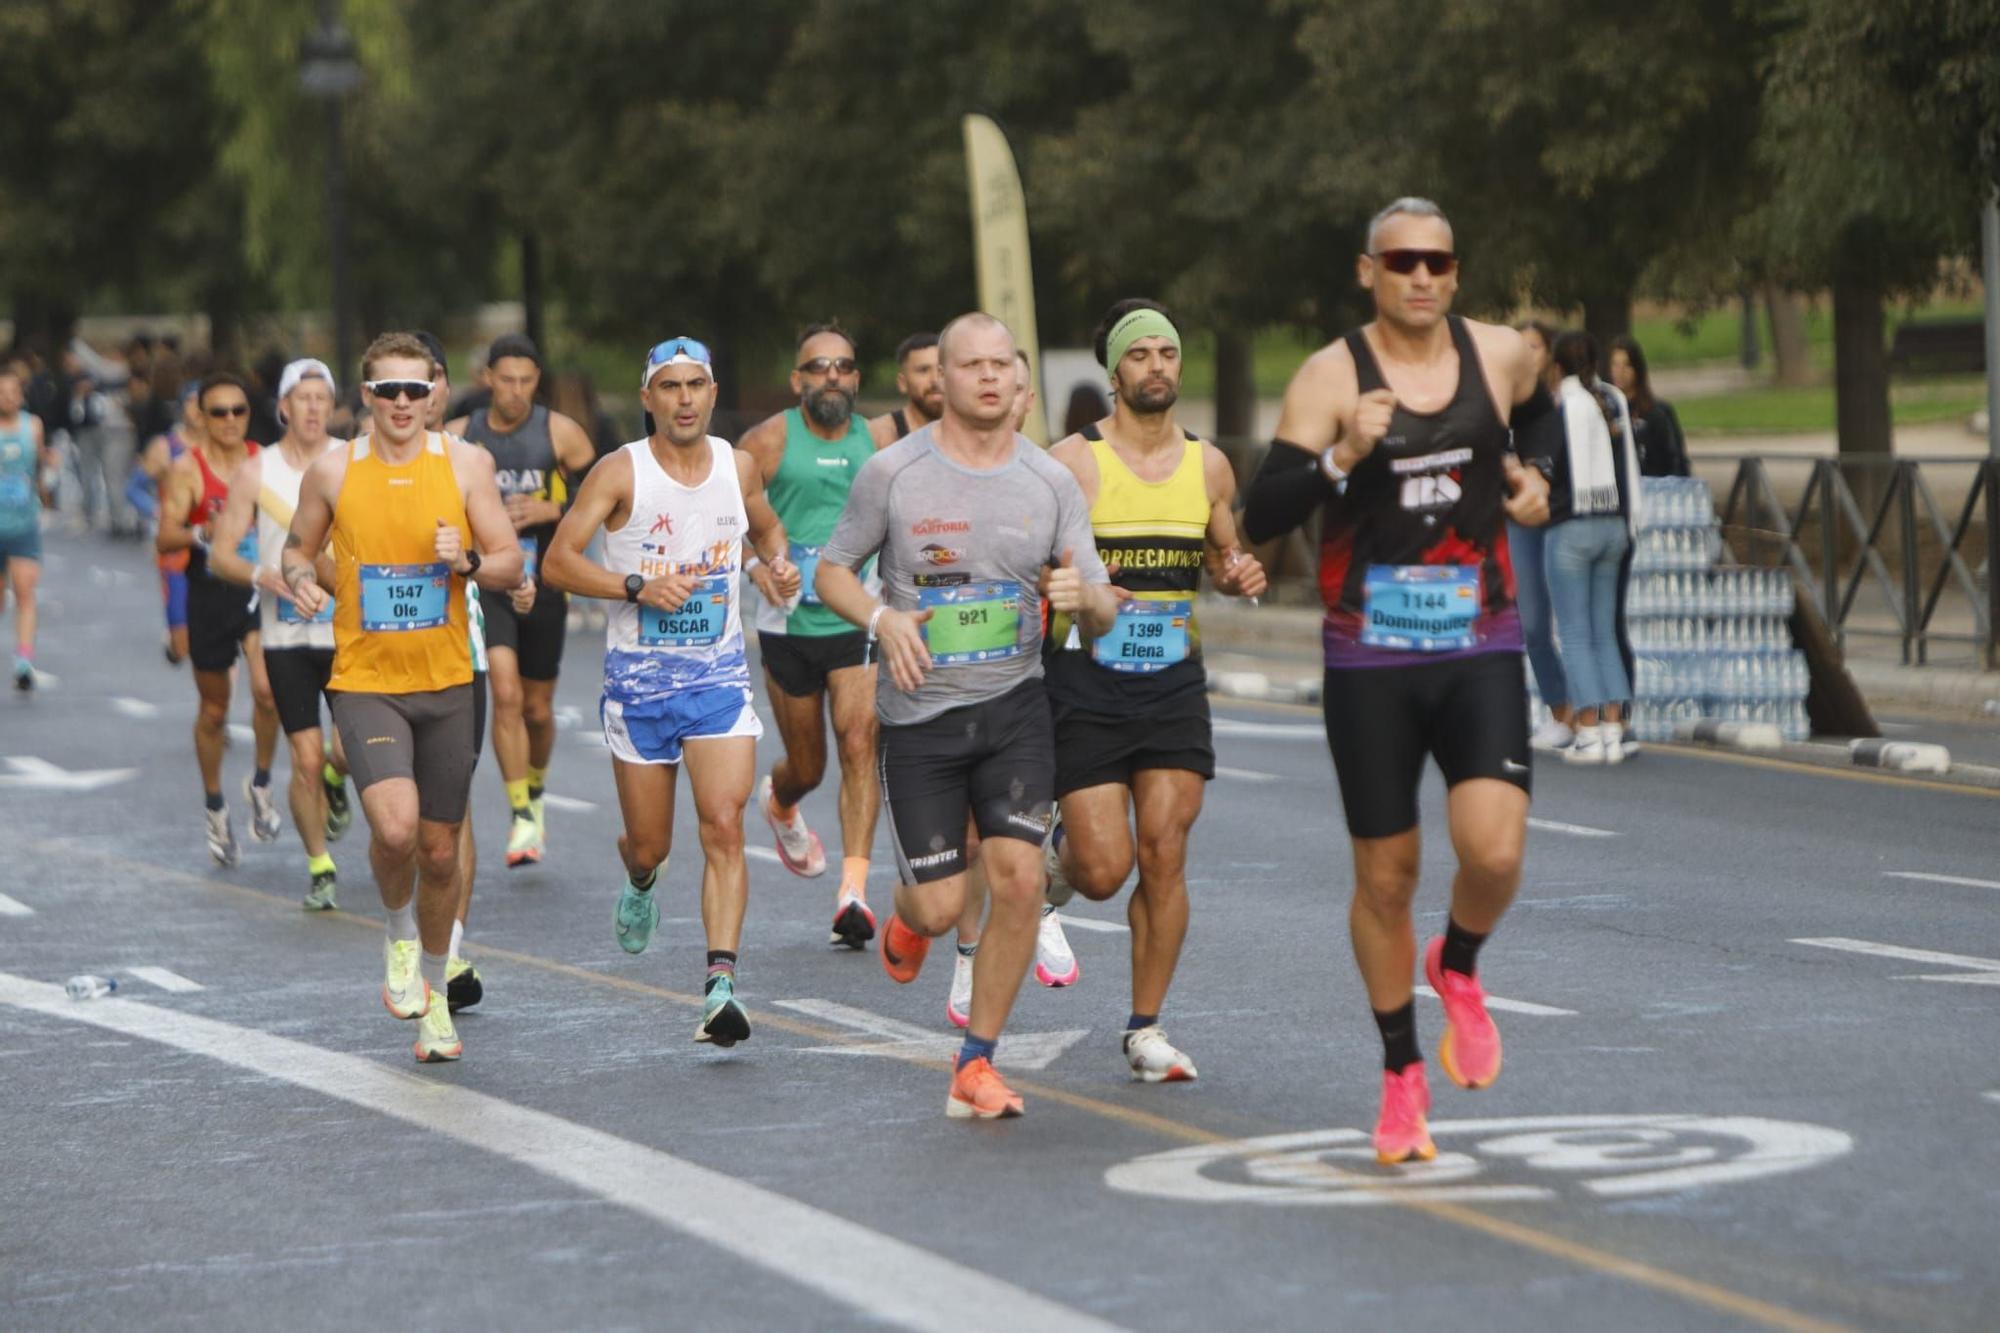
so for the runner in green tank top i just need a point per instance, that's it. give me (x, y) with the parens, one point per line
(807, 456)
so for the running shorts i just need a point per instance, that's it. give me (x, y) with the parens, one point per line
(219, 616)
(26, 545)
(298, 679)
(478, 715)
(653, 731)
(799, 664)
(995, 759)
(1093, 750)
(426, 737)
(536, 639)
(1382, 722)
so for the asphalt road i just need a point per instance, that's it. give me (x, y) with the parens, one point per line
(1749, 1080)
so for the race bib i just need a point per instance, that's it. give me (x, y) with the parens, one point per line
(405, 597)
(529, 548)
(1420, 608)
(807, 559)
(288, 613)
(698, 624)
(15, 489)
(972, 622)
(1147, 637)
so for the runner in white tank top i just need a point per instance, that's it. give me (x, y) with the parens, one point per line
(676, 509)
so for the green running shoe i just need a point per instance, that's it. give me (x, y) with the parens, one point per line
(722, 1019)
(634, 920)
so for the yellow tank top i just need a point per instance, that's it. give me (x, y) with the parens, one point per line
(1154, 531)
(399, 619)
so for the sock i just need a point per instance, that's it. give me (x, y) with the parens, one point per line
(854, 875)
(319, 865)
(517, 795)
(1048, 908)
(645, 886)
(432, 967)
(262, 778)
(976, 1048)
(1399, 1037)
(457, 938)
(1139, 1020)
(403, 920)
(332, 776)
(968, 950)
(1461, 948)
(721, 963)
(213, 800)
(538, 780)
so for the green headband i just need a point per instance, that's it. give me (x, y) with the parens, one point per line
(1141, 323)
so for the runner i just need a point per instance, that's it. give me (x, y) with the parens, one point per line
(222, 618)
(396, 504)
(922, 386)
(298, 654)
(1399, 433)
(23, 455)
(155, 462)
(1133, 742)
(964, 515)
(537, 456)
(806, 457)
(676, 508)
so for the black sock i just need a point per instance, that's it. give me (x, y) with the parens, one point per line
(647, 887)
(1461, 948)
(1399, 1037)
(534, 792)
(213, 800)
(262, 778)
(721, 963)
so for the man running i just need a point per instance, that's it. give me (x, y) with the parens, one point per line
(1399, 433)
(396, 504)
(155, 462)
(922, 386)
(537, 456)
(222, 618)
(965, 514)
(806, 458)
(23, 455)
(298, 653)
(1133, 741)
(676, 509)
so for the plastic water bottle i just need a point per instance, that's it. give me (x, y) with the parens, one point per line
(87, 987)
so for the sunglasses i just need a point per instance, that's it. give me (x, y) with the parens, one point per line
(673, 347)
(224, 413)
(1439, 262)
(390, 390)
(820, 365)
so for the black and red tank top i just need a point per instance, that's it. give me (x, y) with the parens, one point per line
(1431, 493)
(208, 506)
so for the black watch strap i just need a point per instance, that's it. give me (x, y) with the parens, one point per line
(634, 585)
(471, 564)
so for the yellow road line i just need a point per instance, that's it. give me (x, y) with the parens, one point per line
(1847, 774)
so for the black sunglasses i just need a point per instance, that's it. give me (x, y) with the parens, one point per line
(390, 390)
(819, 365)
(221, 413)
(1439, 262)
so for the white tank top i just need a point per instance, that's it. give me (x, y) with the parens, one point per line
(275, 503)
(676, 529)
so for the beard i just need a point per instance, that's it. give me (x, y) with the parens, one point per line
(829, 405)
(1152, 397)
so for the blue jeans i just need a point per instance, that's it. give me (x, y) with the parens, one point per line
(1584, 557)
(1531, 597)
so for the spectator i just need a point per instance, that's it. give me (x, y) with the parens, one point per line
(1656, 431)
(1526, 548)
(1087, 404)
(1541, 339)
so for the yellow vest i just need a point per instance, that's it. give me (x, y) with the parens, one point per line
(1154, 531)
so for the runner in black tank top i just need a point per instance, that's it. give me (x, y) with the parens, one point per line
(1396, 433)
(921, 382)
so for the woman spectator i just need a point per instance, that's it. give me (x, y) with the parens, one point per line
(1656, 431)
(1525, 548)
(1593, 512)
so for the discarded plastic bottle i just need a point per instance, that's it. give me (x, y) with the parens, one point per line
(90, 988)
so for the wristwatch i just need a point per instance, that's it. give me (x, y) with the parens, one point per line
(634, 585)
(471, 564)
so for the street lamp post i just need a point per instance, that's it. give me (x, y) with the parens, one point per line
(328, 72)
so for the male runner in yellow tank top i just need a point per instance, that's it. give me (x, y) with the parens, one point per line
(397, 504)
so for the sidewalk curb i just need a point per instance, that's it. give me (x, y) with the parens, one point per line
(1258, 687)
(1826, 754)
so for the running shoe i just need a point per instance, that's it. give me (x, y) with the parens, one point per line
(319, 898)
(853, 923)
(264, 818)
(404, 991)
(1552, 735)
(437, 1040)
(1402, 1133)
(1154, 1059)
(524, 840)
(902, 951)
(1470, 1051)
(339, 812)
(958, 1005)
(462, 987)
(722, 1019)
(1055, 964)
(978, 1093)
(798, 846)
(24, 674)
(538, 807)
(1058, 890)
(1627, 746)
(634, 919)
(221, 838)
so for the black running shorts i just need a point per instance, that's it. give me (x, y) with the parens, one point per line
(799, 664)
(219, 615)
(478, 715)
(298, 678)
(425, 737)
(536, 639)
(995, 760)
(1093, 750)
(1471, 713)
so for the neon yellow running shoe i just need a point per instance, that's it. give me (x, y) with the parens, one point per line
(404, 992)
(437, 1040)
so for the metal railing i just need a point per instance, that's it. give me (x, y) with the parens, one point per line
(1893, 540)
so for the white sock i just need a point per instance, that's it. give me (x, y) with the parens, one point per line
(403, 920)
(433, 971)
(457, 937)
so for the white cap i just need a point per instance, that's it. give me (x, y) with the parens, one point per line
(299, 370)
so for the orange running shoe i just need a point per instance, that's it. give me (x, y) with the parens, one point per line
(977, 1093)
(1470, 1050)
(902, 951)
(1401, 1131)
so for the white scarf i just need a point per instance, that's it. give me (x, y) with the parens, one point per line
(1593, 471)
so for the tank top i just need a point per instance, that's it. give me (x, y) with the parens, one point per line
(170, 562)
(277, 500)
(1156, 533)
(524, 463)
(20, 462)
(202, 514)
(902, 423)
(399, 619)
(1429, 495)
(808, 492)
(677, 529)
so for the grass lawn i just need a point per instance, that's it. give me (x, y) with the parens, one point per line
(1810, 408)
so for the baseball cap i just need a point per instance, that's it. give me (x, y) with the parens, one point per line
(300, 369)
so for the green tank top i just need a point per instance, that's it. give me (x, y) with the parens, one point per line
(20, 501)
(808, 493)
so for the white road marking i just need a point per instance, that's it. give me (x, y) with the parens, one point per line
(165, 980)
(1993, 1096)
(1244, 774)
(764, 854)
(1574, 830)
(1942, 879)
(1903, 955)
(130, 707)
(1512, 1006)
(1094, 923)
(907, 1041)
(826, 1253)
(14, 907)
(30, 771)
(1291, 731)
(567, 802)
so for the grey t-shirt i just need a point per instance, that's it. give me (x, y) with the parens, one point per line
(970, 545)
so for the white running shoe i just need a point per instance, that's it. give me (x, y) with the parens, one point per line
(221, 838)
(1055, 964)
(1552, 735)
(1588, 747)
(1612, 736)
(1058, 890)
(798, 846)
(1154, 1059)
(958, 1008)
(264, 818)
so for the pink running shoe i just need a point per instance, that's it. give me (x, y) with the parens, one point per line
(1470, 1051)
(1401, 1132)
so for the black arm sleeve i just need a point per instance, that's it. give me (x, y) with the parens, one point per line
(1284, 493)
